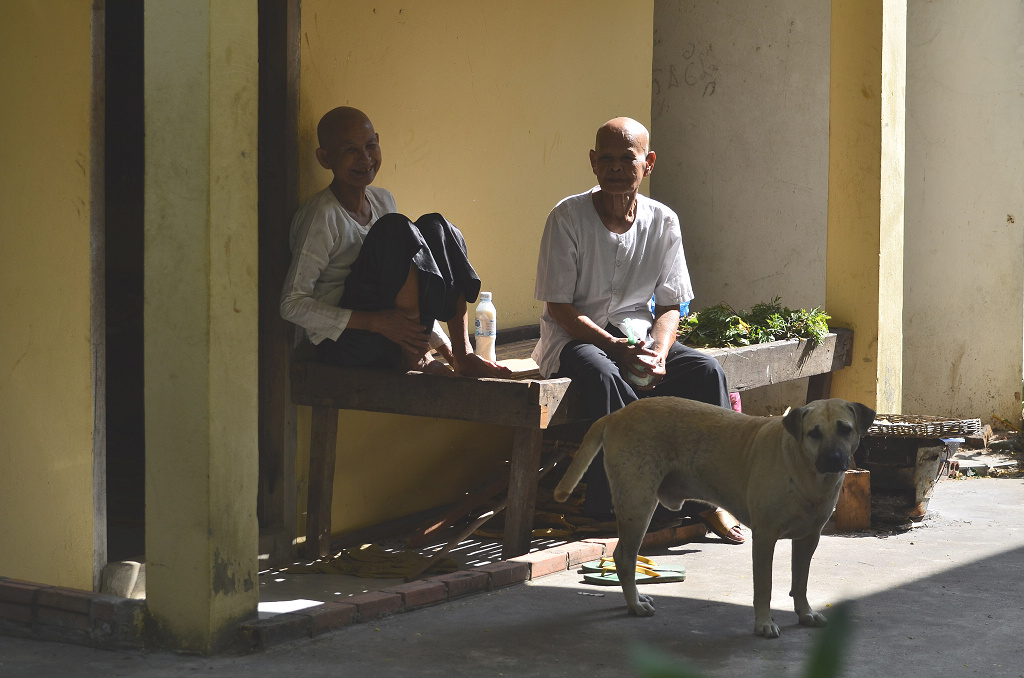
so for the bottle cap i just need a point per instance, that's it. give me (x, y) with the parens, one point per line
(485, 296)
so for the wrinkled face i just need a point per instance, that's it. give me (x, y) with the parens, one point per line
(829, 431)
(620, 161)
(353, 153)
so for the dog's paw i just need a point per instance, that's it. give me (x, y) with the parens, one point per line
(812, 618)
(643, 608)
(768, 629)
(644, 598)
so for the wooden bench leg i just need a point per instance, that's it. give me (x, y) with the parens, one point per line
(819, 386)
(522, 491)
(323, 438)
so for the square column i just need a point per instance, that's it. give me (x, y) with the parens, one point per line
(201, 320)
(864, 254)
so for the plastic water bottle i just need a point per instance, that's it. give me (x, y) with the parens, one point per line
(486, 327)
(627, 326)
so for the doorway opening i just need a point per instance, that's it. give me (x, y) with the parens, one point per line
(124, 150)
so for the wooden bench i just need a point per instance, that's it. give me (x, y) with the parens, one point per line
(528, 404)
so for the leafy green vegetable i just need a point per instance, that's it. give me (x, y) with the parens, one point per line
(720, 325)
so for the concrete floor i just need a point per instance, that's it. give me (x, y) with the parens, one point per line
(944, 599)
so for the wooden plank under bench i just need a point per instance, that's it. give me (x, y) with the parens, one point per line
(527, 403)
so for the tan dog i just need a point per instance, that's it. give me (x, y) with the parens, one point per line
(778, 475)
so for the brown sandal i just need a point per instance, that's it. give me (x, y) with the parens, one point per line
(723, 524)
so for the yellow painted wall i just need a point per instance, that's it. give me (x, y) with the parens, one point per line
(46, 386)
(864, 259)
(486, 113)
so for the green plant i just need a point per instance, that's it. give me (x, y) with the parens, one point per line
(714, 326)
(720, 325)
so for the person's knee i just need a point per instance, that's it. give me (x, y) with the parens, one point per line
(715, 368)
(708, 366)
(714, 377)
(433, 224)
(391, 221)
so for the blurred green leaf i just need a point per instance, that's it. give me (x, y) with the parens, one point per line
(832, 646)
(825, 661)
(654, 663)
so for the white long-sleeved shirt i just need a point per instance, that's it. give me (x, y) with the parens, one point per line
(325, 240)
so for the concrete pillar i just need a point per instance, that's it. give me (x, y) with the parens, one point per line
(201, 319)
(965, 200)
(864, 254)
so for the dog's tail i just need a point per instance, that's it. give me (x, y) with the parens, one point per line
(589, 448)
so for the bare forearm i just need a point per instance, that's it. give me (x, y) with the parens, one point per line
(581, 327)
(666, 324)
(362, 320)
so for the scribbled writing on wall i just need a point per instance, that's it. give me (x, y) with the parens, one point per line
(692, 66)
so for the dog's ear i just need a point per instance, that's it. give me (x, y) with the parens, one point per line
(865, 417)
(793, 421)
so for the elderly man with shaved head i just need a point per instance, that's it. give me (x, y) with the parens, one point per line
(367, 285)
(603, 256)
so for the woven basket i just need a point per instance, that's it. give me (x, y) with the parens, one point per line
(921, 426)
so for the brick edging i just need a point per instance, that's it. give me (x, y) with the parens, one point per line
(45, 612)
(425, 592)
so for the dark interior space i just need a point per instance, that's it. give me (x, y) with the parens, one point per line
(124, 139)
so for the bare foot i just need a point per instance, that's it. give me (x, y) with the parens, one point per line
(437, 367)
(472, 365)
(428, 365)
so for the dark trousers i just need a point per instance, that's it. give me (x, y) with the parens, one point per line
(393, 244)
(688, 374)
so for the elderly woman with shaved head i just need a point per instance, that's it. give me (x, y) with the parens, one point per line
(367, 285)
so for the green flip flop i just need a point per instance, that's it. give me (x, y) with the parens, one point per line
(643, 576)
(607, 564)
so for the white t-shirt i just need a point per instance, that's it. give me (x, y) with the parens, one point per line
(325, 240)
(608, 277)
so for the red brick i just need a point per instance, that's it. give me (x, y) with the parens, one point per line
(376, 604)
(277, 629)
(15, 591)
(544, 562)
(609, 544)
(420, 593)
(49, 616)
(463, 583)
(71, 600)
(329, 616)
(16, 613)
(582, 552)
(506, 573)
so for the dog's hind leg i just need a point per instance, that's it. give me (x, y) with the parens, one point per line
(632, 528)
(803, 550)
(764, 553)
